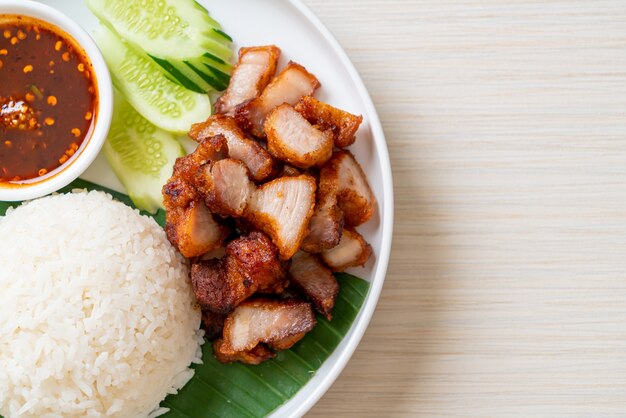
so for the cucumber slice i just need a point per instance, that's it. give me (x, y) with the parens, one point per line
(141, 155)
(179, 74)
(180, 36)
(194, 75)
(169, 29)
(166, 104)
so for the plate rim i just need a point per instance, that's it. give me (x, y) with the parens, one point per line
(309, 394)
(305, 399)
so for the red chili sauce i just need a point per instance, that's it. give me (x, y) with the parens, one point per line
(48, 98)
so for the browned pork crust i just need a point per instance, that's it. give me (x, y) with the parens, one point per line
(327, 222)
(253, 71)
(316, 281)
(291, 138)
(193, 230)
(254, 356)
(343, 125)
(352, 251)
(190, 227)
(251, 265)
(240, 146)
(266, 321)
(354, 195)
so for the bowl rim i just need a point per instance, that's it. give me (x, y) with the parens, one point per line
(309, 395)
(91, 145)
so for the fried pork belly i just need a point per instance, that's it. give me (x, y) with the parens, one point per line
(354, 196)
(256, 258)
(213, 323)
(177, 194)
(327, 222)
(190, 226)
(316, 281)
(251, 265)
(291, 138)
(215, 290)
(210, 148)
(241, 147)
(225, 186)
(293, 83)
(193, 230)
(352, 251)
(266, 321)
(180, 189)
(342, 124)
(324, 228)
(252, 73)
(282, 209)
(254, 356)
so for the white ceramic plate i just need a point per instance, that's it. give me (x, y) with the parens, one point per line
(304, 39)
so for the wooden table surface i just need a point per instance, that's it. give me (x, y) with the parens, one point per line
(506, 291)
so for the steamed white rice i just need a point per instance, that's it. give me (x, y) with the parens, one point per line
(97, 315)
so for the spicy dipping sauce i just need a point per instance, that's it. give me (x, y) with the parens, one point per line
(48, 97)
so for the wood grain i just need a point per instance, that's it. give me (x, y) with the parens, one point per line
(506, 292)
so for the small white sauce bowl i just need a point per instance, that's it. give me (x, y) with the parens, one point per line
(93, 142)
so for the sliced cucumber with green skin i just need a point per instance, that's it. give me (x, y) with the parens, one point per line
(196, 75)
(166, 104)
(174, 33)
(171, 29)
(141, 155)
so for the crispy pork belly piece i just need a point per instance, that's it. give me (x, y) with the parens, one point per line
(190, 226)
(282, 209)
(241, 147)
(194, 231)
(291, 138)
(213, 323)
(177, 194)
(293, 83)
(254, 356)
(316, 281)
(252, 73)
(342, 124)
(354, 196)
(257, 259)
(251, 264)
(327, 222)
(180, 189)
(211, 148)
(324, 228)
(215, 290)
(352, 251)
(225, 186)
(265, 321)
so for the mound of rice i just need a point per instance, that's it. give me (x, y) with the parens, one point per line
(97, 315)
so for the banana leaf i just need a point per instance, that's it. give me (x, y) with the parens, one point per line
(237, 390)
